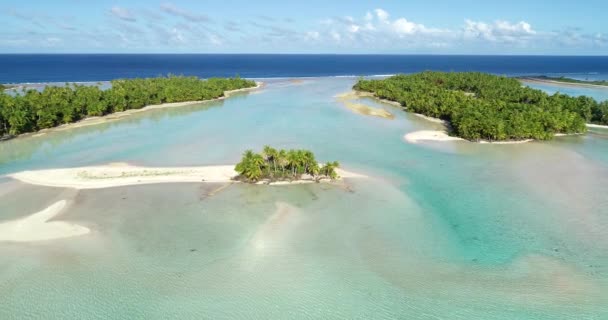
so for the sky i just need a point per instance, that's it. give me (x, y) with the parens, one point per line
(553, 27)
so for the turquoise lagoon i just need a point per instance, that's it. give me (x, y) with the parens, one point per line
(439, 230)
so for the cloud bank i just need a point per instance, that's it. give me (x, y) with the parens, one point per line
(170, 28)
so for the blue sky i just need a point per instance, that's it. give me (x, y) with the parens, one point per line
(312, 26)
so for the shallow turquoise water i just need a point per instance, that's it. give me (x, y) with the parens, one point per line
(440, 231)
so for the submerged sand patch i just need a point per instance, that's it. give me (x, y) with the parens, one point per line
(37, 227)
(119, 174)
(348, 100)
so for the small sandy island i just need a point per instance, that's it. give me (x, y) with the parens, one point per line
(38, 228)
(117, 175)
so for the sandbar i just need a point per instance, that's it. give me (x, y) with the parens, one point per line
(348, 100)
(563, 83)
(37, 227)
(118, 175)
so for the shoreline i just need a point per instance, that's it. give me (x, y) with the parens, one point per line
(562, 83)
(120, 175)
(91, 121)
(597, 126)
(442, 135)
(37, 227)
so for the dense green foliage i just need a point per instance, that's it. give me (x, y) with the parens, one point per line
(570, 80)
(33, 110)
(2, 87)
(280, 165)
(481, 106)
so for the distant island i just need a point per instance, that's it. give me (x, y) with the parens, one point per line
(484, 107)
(32, 110)
(603, 83)
(274, 165)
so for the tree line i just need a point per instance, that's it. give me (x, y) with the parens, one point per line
(33, 110)
(282, 165)
(481, 106)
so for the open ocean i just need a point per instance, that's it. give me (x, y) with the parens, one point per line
(40, 68)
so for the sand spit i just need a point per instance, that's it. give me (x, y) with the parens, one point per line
(348, 100)
(120, 115)
(442, 136)
(37, 227)
(596, 126)
(118, 175)
(562, 83)
(429, 135)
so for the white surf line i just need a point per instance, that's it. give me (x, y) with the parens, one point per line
(37, 227)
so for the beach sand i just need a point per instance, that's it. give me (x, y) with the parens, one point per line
(429, 135)
(37, 227)
(442, 136)
(117, 175)
(562, 83)
(596, 126)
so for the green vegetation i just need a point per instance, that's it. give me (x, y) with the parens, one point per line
(32, 110)
(282, 165)
(570, 80)
(481, 106)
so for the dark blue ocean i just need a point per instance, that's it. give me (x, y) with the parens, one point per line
(99, 67)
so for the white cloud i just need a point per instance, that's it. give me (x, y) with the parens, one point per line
(171, 9)
(382, 15)
(499, 31)
(123, 14)
(312, 35)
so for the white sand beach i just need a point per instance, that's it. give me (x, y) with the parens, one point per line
(596, 126)
(442, 136)
(37, 227)
(429, 135)
(117, 175)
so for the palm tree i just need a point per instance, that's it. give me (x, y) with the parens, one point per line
(293, 160)
(281, 160)
(329, 170)
(271, 155)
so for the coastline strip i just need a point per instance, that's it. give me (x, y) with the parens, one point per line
(90, 121)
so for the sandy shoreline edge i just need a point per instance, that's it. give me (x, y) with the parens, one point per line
(91, 121)
(443, 136)
(562, 83)
(118, 175)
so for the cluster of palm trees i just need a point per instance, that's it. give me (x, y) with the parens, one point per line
(280, 165)
(32, 110)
